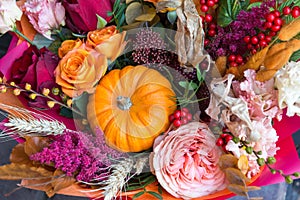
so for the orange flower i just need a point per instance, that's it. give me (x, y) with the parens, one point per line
(79, 70)
(67, 46)
(96, 37)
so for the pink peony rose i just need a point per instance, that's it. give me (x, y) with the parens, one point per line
(81, 14)
(45, 15)
(185, 162)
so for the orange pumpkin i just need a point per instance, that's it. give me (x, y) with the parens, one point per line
(131, 106)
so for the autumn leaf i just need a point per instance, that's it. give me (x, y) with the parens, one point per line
(35, 144)
(61, 181)
(237, 189)
(243, 164)
(235, 176)
(227, 161)
(19, 156)
(15, 171)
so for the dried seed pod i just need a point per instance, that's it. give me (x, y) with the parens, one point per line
(290, 30)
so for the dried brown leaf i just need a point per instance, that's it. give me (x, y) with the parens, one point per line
(15, 171)
(243, 164)
(221, 64)
(235, 176)
(35, 144)
(265, 75)
(61, 181)
(235, 71)
(237, 189)
(39, 184)
(227, 161)
(289, 30)
(255, 61)
(148, 17)
(19, 156)
(189, 36)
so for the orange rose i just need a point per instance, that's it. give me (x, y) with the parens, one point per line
(79, 70)
(113, 46)
(96, 37)
(67, 46)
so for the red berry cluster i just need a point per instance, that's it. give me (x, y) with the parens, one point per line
(206, 4)
(180, 117)
(223, 140)
(273, 21)
(235, 60)
(295, 11)
(260, 40)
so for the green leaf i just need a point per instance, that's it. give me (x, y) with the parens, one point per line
(188, 85)
(40, 41)
(255, 4)
(228, 10)
(101, 22)
(296, 56)
(80, 102)
(109, 13)
(116, 5)
(160, 189)
(155, 194)
(78, 35)
(288, 3)
(244, 4)
(53, 47)
(172, 16)
(138, 194)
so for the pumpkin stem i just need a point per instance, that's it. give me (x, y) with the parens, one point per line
(124, 103)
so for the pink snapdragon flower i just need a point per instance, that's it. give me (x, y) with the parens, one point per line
(45, 15)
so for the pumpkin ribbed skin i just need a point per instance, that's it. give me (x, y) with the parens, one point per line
(134, 127)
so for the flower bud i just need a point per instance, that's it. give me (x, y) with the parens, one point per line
(249, 150)
(1, 80)
(288, 180)
(271, 160)
(50, 104)
(16, 91)
(69, 102)
(12, 83)
(3, 89)
(55, 91)
(296, 174)
(32, 96)
(27, 86)
(260, 161)
(273, 171)
(46, 91)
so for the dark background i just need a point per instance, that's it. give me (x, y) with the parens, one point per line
(279, 191)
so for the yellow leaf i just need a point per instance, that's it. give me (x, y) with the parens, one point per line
(146, 17)
(133, 11)
(61, 181)
(243, 164)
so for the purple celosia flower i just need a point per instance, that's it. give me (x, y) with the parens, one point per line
(78, 154)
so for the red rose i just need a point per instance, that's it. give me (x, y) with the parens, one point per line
(25, 64)
(81, 14)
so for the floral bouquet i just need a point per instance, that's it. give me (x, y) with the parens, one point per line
(150, 99)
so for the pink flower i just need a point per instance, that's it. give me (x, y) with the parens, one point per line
(45, 15)
(185, 162)
(81, 14)
(9, 14)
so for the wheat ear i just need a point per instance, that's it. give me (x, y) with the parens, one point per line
(25, 122)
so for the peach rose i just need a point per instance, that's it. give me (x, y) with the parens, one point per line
(185, 162)
(79, 70)
(67, 46)
(96, 37)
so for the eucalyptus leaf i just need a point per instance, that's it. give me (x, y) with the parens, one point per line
(155, 194)
(188, 85)
(228, 10)
(138, 194)
(40, 41)
(101, 22)
(172, 16)
(81, 102)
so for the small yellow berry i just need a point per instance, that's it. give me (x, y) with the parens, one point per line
(1, 80)
(27, 86)
(12, 83)
(50, 104)
(17, 91)
(84, 122)
(32, 96)
(46, 91)
(3, 89)
(69, 102)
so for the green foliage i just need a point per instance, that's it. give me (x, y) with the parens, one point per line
(118, 14)
(101, 23)
(296, 56)
(228, 10)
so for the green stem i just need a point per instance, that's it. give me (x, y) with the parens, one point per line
(23, 36)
